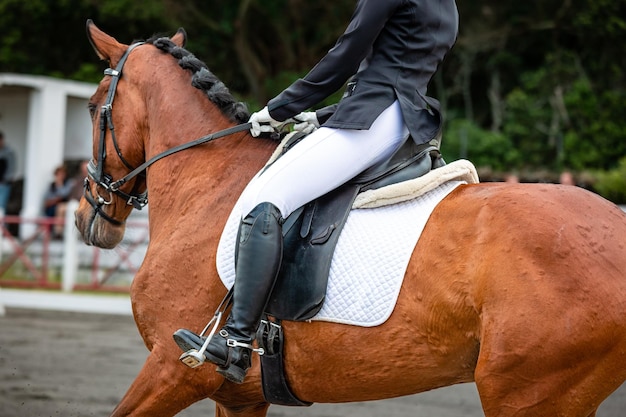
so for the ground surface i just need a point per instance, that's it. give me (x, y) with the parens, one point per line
(77, 364)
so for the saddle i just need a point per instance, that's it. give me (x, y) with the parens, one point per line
(311, 232)
(310, 237)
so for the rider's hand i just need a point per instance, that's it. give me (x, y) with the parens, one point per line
(306, 122)
(262, 122)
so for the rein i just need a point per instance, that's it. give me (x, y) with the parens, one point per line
(95, 169)
(204, 139)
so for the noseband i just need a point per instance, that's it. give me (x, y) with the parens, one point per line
(95, 168)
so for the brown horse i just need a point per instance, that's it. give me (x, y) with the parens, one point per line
(520, 288)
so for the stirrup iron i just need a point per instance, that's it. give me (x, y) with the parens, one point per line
(194, 357)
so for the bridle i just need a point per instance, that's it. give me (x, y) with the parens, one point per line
(95, 168)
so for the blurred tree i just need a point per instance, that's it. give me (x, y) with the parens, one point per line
(549, 75)
(543, 80)
(612, 184)
(484, 148)
(48, 37)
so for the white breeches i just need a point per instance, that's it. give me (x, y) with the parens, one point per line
(323, 161)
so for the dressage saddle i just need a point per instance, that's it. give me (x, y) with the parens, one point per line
(310, 236)
(311, 232)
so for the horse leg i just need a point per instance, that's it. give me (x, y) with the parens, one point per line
(525, 371)
(242, 400)
(164, 387)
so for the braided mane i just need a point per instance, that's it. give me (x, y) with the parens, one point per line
(205, 80)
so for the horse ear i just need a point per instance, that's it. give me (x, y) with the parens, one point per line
(180, 38)
(106, 46)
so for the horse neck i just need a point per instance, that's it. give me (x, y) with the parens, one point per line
(201, 183)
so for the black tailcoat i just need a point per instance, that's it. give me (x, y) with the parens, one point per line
(391, 49)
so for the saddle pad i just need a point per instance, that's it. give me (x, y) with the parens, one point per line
(370, 260)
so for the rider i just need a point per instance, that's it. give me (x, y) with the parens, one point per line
(391, 49)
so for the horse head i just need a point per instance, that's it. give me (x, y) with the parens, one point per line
(123, 125)
(118, 145)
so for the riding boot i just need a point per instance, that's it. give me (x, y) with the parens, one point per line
(259, 255)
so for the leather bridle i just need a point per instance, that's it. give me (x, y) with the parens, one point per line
(95, 168)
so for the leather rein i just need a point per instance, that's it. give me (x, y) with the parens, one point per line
(95, 168)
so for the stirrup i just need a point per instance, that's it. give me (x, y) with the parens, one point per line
(194, 357)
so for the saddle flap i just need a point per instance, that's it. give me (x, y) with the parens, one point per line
(309, 244)
(313, 231)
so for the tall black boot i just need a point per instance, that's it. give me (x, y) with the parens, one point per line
(259, 256)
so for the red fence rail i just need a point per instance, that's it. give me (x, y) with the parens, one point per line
(31, 256)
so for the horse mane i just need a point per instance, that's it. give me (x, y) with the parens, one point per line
(204, 80)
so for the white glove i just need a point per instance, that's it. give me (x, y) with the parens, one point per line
(262, 122)
(306, 122)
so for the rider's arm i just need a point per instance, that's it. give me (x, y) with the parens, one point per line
(339, 64)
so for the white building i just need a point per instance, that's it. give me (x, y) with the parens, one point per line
(46, 122)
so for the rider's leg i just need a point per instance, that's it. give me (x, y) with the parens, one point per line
(259, 253)
(321, 162)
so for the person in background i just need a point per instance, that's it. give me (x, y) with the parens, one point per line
(7, 171)
(512, 178)
(567, 178)
(78, 189)
(56, 198)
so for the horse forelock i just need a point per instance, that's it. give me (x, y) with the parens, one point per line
(204, 80)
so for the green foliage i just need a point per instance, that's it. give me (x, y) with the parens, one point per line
(88, 72)
(595, 137)
(556, 118)
(599, 26)
(544, 83)
(48, 37)
(525, 125)
(612, 184)
(463, 139)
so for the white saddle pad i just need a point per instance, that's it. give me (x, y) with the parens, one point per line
(370, 260)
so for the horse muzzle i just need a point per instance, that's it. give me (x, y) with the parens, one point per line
(95, 225)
